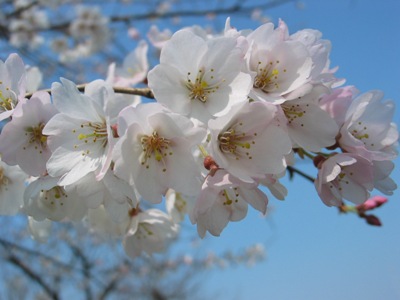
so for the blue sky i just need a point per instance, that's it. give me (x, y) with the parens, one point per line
(312, 251)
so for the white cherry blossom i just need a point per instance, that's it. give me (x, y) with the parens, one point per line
(134, 68)
(225, 198)
(178, 205)
(282, 67)
(12, 186)
(154, 151)
(111, 192)
(22, 141)
(368, 129)
(12, 84)
(150, 231)
(344, 176)
(80, 136)
(200, 78)
(247, 143)
(44, 199)
(307, 124)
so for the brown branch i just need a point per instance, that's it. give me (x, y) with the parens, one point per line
(111, 286)
(19, 11)
(293, 170)
(86, 268)
(14, 260)
(144, 92)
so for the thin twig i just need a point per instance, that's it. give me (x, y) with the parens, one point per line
(144, 92)
(293, 170)
(14, 260)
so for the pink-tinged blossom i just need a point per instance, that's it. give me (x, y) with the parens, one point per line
(382, 181)
(100, 222)
(307, 124)
(22, 141)
(12, 186)
(282, 67)
(154, 151)
(247, 142)
(150, 231)
(134, 68)
(12, 85)
(372, 203)
(178, 205)
(44, 199)
(344, 176)
(278, 190)
(40, 230)
(225, 198)
(80, 136)
(319, 51)
(337, 102)
(34, 78)
(111, 192)
(368, 129)
(200, 78)
(158, 38)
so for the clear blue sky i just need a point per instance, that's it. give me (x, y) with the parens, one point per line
(312, 251)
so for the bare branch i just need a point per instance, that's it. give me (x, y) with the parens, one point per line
(145, 92)
(14, 260)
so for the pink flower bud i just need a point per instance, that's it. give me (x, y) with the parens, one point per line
(372, 203)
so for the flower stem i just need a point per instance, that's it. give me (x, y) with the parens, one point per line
(145, 92)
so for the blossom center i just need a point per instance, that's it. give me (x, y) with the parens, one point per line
(7, 99)
(360, 132)
(267, 77)
(36, 136)
(144, 231)
(293, 112)
(203, 85)
(235, 142)
(4, 180)
(156, 146)
(50, 198)
(227, 196)
(97, 134)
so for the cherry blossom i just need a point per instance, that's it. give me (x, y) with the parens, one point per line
(80, 135)
(12, 186)
(225, 198)
(308, 125)
(44, 199)
(134, 69)
(247, 143)
(22, 141)
(12, 84)
(344, 176)
(178, 205)
(154, 151)
(199, 78)
(368, 129)
(158, 38)
(150, 231)
(282, 67)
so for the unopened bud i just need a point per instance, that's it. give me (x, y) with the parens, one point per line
(211, 165)
(318, 160)
(114, 129)
(372, 220)
(372, 203)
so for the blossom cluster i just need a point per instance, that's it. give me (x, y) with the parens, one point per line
(231, 113)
